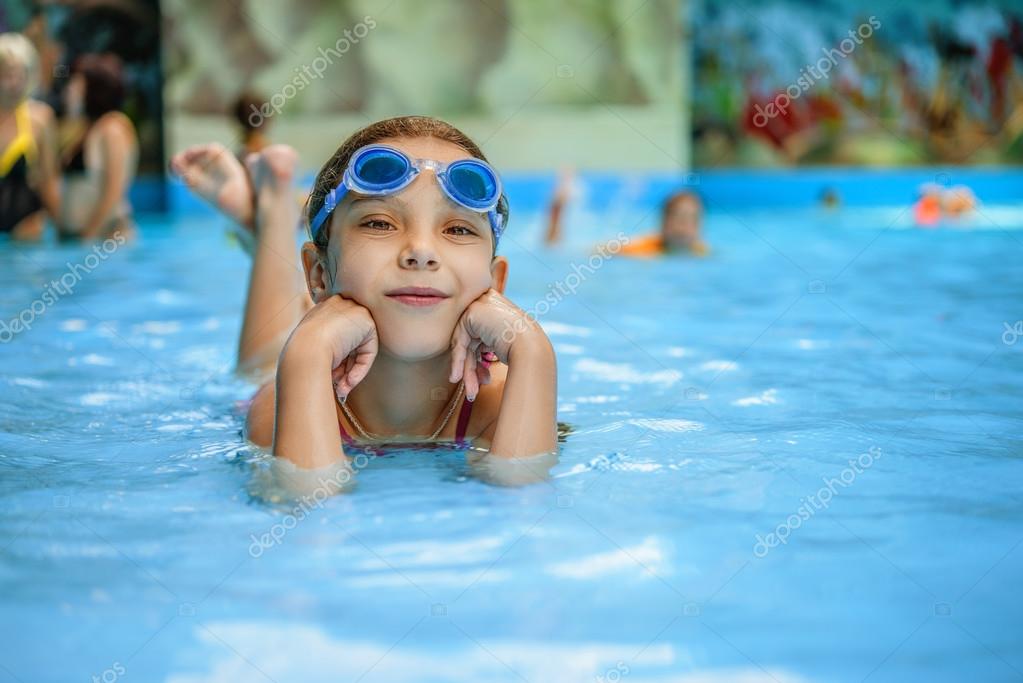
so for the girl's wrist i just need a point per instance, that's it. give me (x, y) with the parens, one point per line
(306, 348)
(530, 347)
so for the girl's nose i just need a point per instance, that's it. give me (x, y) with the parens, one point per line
(419, 254)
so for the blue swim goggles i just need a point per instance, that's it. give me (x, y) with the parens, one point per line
(377, 170)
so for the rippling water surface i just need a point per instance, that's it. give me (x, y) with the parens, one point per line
(798, 459)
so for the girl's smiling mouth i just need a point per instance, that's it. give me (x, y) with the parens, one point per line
(417, 296)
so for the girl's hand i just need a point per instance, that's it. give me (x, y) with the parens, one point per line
(348, 332)
(485, 333)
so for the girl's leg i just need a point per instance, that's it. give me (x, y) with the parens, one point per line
(277, 297)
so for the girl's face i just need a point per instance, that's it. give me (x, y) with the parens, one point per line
(415, 259)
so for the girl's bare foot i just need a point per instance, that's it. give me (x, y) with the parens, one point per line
(213, 173)
(271, 172)
(272, 169)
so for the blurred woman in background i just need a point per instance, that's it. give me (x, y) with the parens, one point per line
(100, 152)
(29, 180)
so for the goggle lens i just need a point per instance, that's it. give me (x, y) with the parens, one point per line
(473, 183)
(380, 168)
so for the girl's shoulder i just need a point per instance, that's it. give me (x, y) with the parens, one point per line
(259, 422)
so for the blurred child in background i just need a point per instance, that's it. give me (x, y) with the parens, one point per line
(680, 231)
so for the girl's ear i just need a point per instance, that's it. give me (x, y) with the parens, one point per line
(317, 279)
(499, 273)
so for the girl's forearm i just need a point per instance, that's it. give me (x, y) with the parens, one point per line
(527, 422)
(305, 429)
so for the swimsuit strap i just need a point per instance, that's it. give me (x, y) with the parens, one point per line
(463, 422)
(23, 144)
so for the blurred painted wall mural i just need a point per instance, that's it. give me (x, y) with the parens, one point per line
(447, 56)
(790, 82)
(535, 81)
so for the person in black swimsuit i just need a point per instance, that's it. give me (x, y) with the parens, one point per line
(28, 177)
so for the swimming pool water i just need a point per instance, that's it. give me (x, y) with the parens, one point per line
(704, 521)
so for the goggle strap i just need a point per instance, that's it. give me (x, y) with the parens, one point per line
(496, 222)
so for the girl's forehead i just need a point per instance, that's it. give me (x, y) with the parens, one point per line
(428, 148)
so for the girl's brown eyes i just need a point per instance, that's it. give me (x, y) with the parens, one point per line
(382, 225)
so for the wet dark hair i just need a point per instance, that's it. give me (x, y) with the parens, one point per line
(247, 104)
(104, 83)
(398, 127)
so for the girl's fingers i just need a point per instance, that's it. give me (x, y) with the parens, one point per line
(459, 341)
(359, 371)
(354, 368)
(338, 376)
(472, 385)
(457, 362)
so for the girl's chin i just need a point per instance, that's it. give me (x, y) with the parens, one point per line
(411, 355)
(407, 349)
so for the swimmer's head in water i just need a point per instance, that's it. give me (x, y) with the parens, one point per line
(19, 65)
(681, 219)
(958, 200)
(415, 259)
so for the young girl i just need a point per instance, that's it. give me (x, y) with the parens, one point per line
(399, 332)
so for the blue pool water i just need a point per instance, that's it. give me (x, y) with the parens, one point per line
(715, 406)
